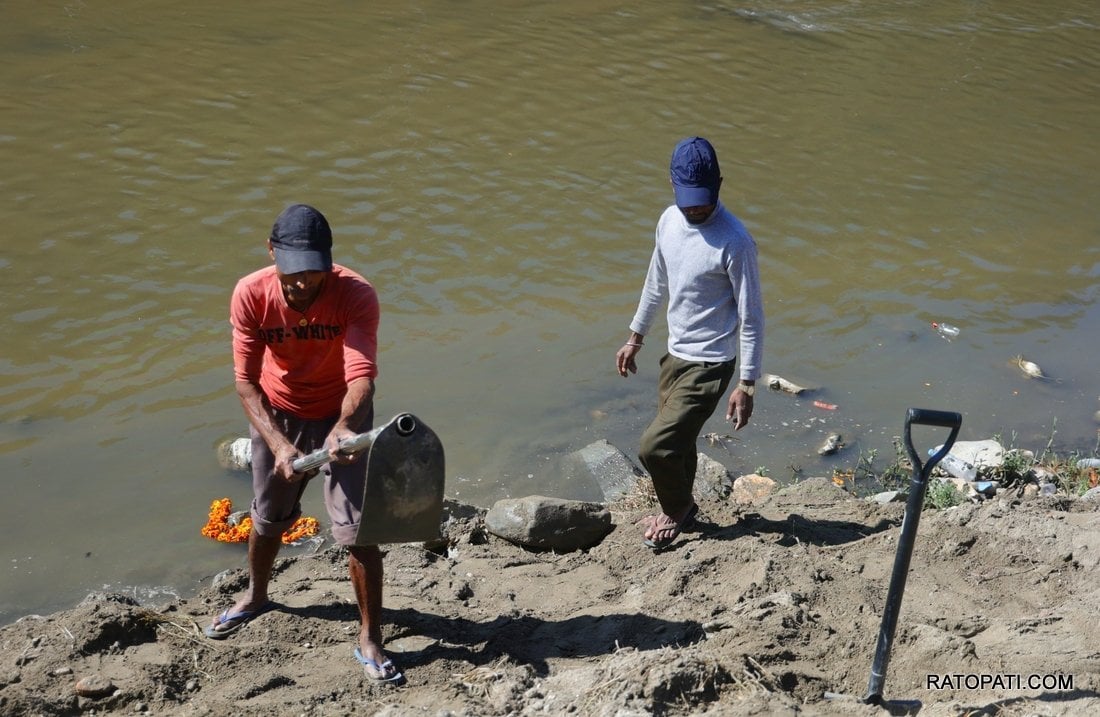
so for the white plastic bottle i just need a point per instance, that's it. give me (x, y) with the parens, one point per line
(947, 331)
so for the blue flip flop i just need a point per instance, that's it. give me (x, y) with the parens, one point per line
(368, 664)
(661, 543)
(233, 622)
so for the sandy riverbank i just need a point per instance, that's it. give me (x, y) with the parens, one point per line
(761, 610)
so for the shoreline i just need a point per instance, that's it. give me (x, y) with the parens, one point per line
(764, 607)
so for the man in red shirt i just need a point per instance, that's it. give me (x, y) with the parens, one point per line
(305, 342)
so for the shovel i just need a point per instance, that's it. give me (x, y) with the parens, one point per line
(403, 495)
(913, 507)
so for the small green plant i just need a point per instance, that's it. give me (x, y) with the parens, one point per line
(899, 471)
(762, 471)
(942, 494)
(1042, 459)
(865, 464)
(1016, 463)
(1071, 478)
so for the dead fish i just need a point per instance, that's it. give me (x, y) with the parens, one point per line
(831, 445)
(779, 383)
(1030, 368)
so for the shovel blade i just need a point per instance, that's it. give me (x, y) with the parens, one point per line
(403, 497)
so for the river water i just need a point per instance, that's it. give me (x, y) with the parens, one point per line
(496, 169)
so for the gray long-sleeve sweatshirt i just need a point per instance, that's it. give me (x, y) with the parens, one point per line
(709, 276)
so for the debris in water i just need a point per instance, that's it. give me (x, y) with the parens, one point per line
(779, 383)
(1030, 368)
(831, 445)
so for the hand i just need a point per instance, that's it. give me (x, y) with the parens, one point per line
(333, 441)
(624, 359)
(284, 463)
(740, 408)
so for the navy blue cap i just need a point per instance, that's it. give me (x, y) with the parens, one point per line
(695, 173)
(302, 240)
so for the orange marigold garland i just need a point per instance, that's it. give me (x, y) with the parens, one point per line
(218, 527)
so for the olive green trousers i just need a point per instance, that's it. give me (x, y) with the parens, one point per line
(687, 394)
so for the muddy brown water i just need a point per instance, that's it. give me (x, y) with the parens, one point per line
(496, 170)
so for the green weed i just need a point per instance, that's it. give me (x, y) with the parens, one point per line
(942, 494)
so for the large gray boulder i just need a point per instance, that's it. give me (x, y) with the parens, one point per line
(603, 464)
(981, 454)
(549, 523)
(712, 479)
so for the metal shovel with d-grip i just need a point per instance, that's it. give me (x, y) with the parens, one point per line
(913, 507)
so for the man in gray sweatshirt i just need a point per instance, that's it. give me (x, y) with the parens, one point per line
(704, 267)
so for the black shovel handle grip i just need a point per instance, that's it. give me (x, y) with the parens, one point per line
(929, 417)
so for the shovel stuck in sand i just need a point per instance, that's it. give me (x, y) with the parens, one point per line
(913, 507)
(403, 498)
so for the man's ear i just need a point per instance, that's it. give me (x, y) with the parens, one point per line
(270, 250)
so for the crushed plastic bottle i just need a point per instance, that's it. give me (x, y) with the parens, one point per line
(955, 466)
(946, 330)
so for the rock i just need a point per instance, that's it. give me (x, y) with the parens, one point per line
(94, 686)
(959, 484)
(226, 577)
(712, 480)
(108, 599)
(981, 454)
(549, 523)
(1048, 489)
(890, 496)
(752, 487)
(1044, 475)
(605, 465)
(1092, 495)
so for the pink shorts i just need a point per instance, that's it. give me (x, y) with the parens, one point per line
(277, 503)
